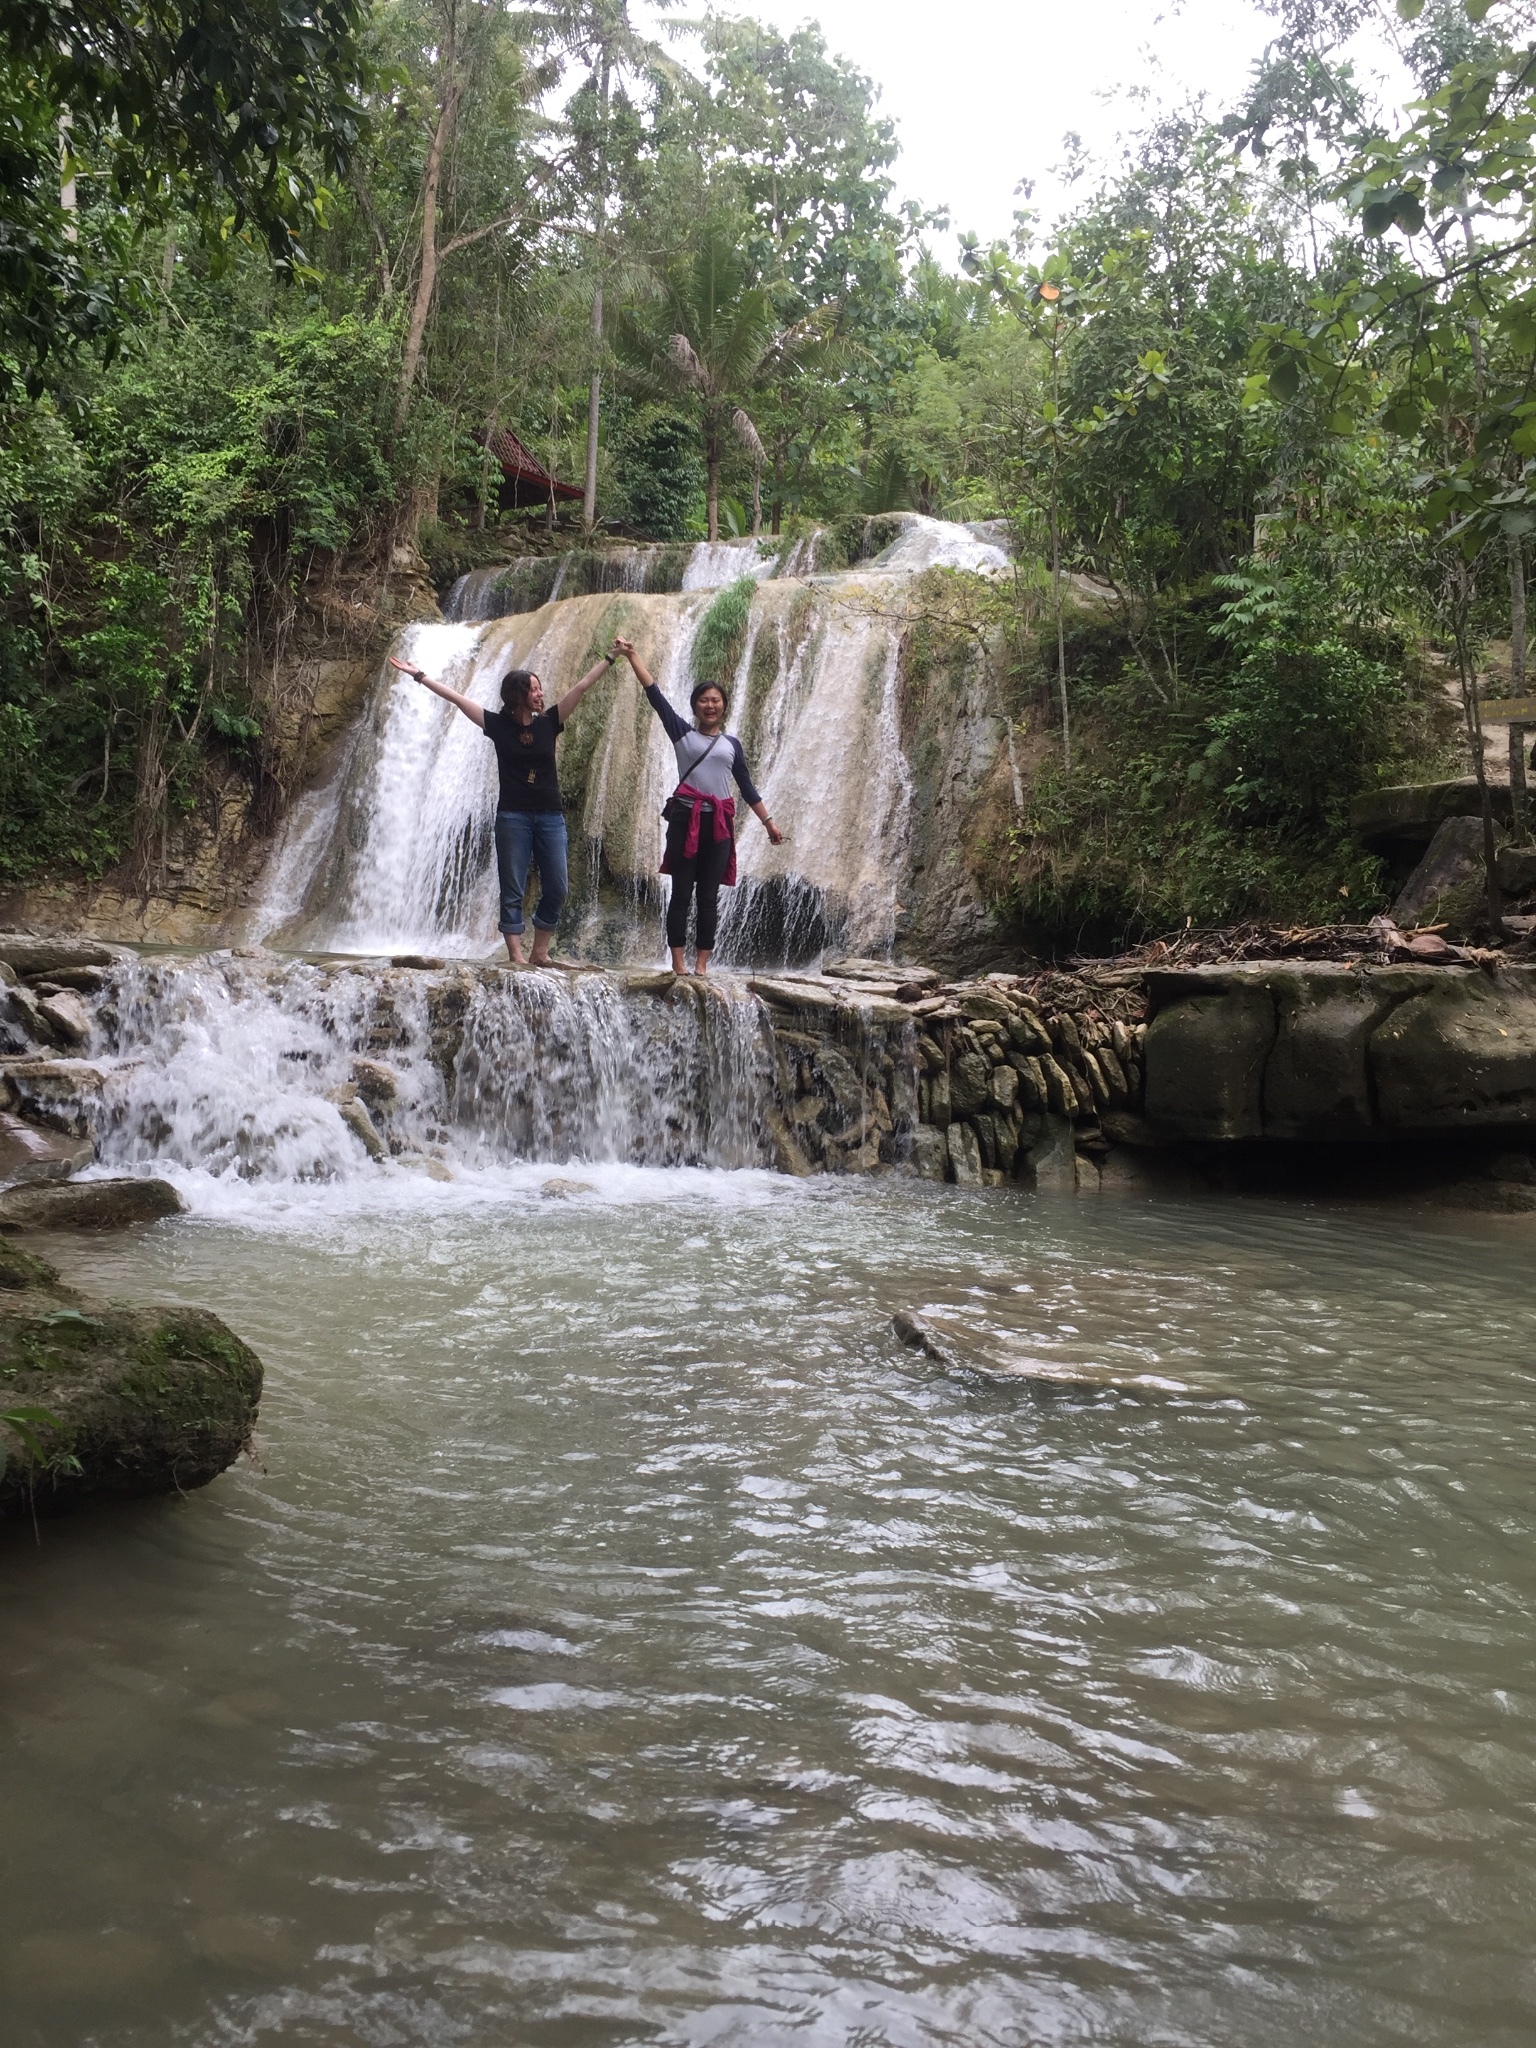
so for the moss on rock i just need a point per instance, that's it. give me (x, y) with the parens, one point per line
(137, 1401)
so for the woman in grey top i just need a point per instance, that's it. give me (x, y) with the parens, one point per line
(701, 812)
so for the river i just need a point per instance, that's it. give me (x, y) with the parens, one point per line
(624, 1639)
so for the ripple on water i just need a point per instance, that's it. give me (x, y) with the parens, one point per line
(625, 1638)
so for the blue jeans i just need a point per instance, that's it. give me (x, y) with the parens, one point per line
(531, 836)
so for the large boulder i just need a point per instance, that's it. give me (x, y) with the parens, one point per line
(88, 1205)
(1323, 1051)
(1449, 884)
(103, 1402)
(32, 957)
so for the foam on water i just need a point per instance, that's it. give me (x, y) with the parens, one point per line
(235, 1072)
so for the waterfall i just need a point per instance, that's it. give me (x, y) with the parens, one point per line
(396, 854)
(247, 1069)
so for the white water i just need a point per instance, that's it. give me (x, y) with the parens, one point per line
(396, 855)
(225, 1071)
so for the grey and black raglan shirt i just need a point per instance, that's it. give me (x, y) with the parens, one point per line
(708, 763)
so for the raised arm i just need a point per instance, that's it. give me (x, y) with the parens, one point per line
(578, 690)
(673, 725)
(474, 712)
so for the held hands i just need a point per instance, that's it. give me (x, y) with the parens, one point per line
(624, 647)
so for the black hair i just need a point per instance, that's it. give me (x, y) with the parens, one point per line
(515, 685)
(698, 690)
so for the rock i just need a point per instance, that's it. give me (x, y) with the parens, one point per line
(1412, 812)
(64, 1094)
(138, 1401)
(807, 1109)
(32, 957)
(419, 1162)
(1027, 1036)
(68, 1017)
(1516, 869)
(647, 981)
(931, 1053)
(86, 981)
(808, 998)
(377, 1083)
(879, 970)
(982, 1003)
(1459, 1055)
(930, 1153)
(1051, 1155)
(1205, 1062)
(918, 1334)
(1033, 1093)
(420, 961)
(789, 1155)
(1004, 1087)
(88, 1205)
(357, 1120)
(25, 1022)
(1320, 1050)
(29, 1156)
(1449, 882)
(558, 1190)
(970, 1082)
(1060, 1088)
(940, 1101)
(964, 1156)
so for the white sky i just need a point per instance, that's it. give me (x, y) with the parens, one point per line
(982, 91)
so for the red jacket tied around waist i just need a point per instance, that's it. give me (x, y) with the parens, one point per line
(724, 810)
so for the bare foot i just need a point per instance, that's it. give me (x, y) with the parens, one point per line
(540, 954)
(678, 965)
(701, 963)
(515, 948)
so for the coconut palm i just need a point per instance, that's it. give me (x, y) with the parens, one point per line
(713, 338)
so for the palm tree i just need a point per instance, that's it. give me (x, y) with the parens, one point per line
(714, 340)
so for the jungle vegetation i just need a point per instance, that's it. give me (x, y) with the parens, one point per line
(1261, 411)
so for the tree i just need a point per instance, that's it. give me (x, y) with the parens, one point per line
(234, 115)
(601, 34)
(714, 339)
(464, 51)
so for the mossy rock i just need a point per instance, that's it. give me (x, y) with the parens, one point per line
(103, 1402)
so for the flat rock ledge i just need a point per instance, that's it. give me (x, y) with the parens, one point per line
(101, 1402)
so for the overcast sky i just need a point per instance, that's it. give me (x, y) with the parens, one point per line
(982, 91)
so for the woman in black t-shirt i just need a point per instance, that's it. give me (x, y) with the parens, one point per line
(530, 824)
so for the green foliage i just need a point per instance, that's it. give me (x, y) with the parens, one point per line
(722, 634)
(141, 557)
(1212, 814)
(659, 473)
(231, 115)
(1306, 714)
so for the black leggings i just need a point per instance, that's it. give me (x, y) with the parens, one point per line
(704, 872)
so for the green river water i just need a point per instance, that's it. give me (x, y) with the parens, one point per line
(624, 1639)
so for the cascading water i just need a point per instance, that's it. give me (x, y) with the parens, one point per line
(242, 1069)
(396, 854)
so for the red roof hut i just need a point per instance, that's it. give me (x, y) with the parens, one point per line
(524, 479)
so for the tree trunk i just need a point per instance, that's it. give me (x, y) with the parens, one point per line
(712, 465)
(595, 390)
(594, 398)
(1517, 795)
(426, 277)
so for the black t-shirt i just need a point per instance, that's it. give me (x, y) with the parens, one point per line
(525, 754)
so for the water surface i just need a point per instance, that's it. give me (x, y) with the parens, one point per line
(623, 1639)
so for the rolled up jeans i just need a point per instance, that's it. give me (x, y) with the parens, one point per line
(524, 837)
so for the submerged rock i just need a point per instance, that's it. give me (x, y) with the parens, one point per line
(88, 1205)
(558, 1190)
(113, 1403)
